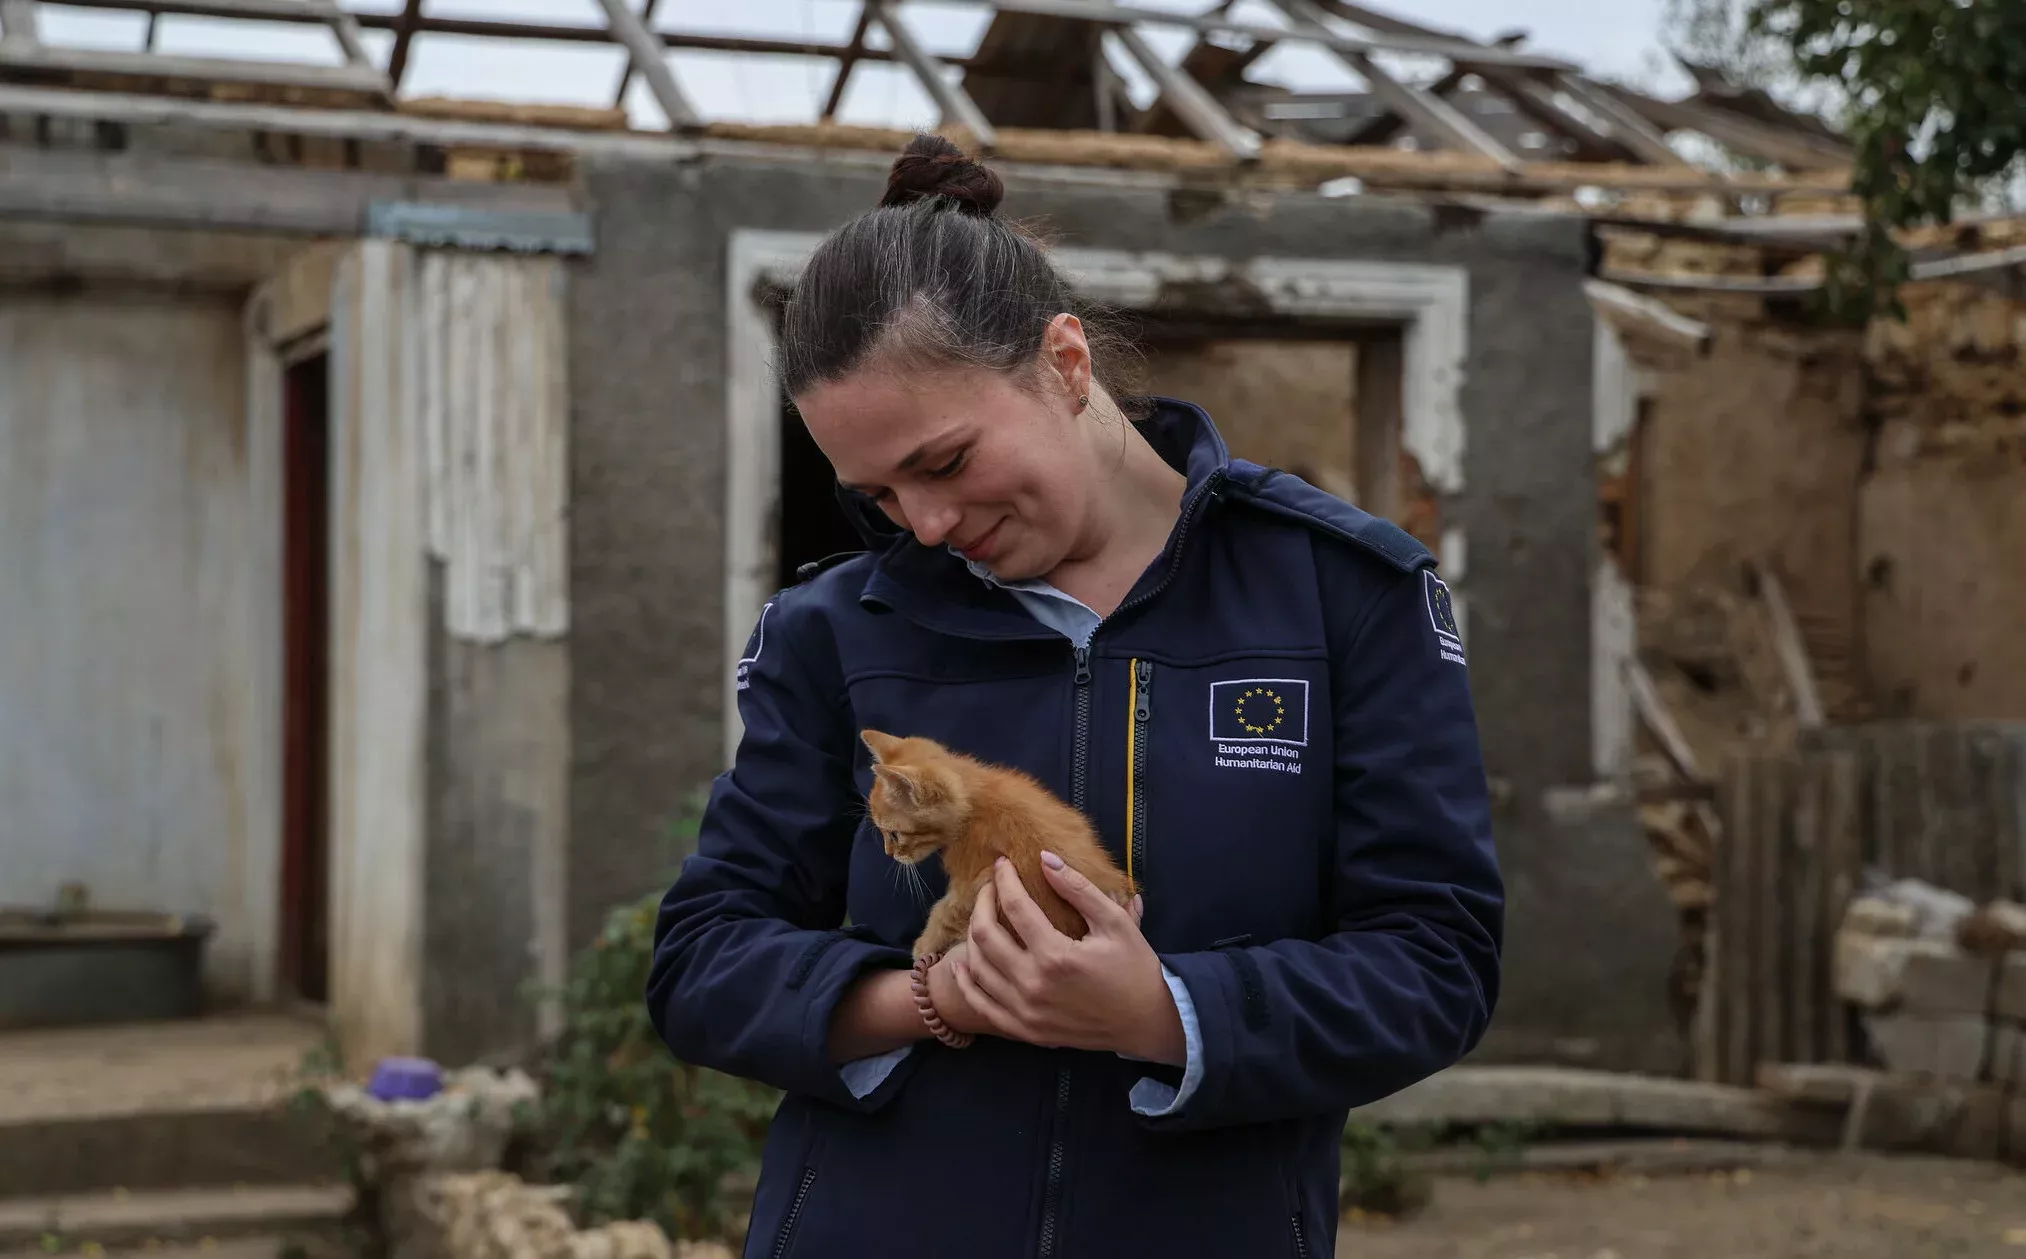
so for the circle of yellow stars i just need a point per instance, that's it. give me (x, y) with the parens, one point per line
(1260, 692)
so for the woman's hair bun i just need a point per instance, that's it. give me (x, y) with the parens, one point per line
(931, 166)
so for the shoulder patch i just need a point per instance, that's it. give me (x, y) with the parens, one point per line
(1442, 617)
(1288, 496)
(754, 646)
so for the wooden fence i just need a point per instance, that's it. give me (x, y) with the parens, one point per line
(1941, 803)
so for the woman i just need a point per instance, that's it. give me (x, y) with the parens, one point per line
(1254, 690)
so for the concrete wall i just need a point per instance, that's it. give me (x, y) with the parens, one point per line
(648, 355)
(126, 535)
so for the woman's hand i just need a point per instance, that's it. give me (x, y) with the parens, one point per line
(1034, 984)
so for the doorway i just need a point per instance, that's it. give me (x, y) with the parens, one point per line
(305, 581)
(811, 525)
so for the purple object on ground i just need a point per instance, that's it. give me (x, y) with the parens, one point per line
(405, 1079)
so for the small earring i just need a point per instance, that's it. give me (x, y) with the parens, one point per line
(1082, 400)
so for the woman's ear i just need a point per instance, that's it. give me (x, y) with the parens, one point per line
(1065, 352)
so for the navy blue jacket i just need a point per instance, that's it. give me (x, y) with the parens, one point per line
(1310, 825)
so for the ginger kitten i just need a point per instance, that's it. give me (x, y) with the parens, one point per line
(926, 798)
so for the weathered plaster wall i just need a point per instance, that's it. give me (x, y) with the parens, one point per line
(1755, 451)
(125, 535)
(648, 457)
(1944, 506)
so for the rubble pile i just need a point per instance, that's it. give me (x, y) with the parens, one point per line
(496, 1215)
(1941, 983)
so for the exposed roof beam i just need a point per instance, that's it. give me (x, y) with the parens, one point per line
(650, 61)
(1120, 15)
(1190, 100)
(1788, 147)
(364, 80)
(1655, 317)
(1628, 127)
(626, 70)
(18, 26)
(1437, 118)
(954, 101)
(846, 61)
(404, 34)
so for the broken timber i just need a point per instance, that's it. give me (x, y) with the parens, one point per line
(1560, 1098)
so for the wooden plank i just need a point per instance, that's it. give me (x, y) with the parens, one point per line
(957, 106)
(1659, 722)
(405, 24)
(18, 25)
(1737, 908)
(154, 65)
(1570, 1098)
(1771, 964)
(1808, 929)
(1788, 147)
(1791, 649)
(1437, 118)
(1190, 100)
(1627, 126)
(1842, 865)
(650, 62)
(845, 63)
(1122, 16)
(346, 29)
(2008, 809)
(1655, 318)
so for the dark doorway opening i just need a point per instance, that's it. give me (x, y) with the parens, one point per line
(812, 525)
(305, 853)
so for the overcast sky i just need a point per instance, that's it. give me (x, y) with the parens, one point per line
(1613, 38)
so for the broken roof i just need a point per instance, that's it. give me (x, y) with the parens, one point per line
(1048, 80)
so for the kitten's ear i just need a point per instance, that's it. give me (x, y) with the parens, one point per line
(900, 784)
(882, 745)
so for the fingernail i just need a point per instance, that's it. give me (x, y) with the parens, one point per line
(1000, 861)
(1050, 860)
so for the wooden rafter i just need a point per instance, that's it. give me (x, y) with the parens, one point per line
(1190, 100)
(957, 106)
(626, 70)
(650, 62)
(404, 37)
(845, 63)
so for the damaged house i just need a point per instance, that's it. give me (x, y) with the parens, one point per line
(388, 485)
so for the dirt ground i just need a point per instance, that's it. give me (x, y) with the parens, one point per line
(1857, 1207)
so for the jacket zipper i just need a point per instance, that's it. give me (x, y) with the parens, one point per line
(1300, 1237)
(1079, 794)
(787, 1237)
(1136, 770)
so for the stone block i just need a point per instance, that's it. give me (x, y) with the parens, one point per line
(1868, 915)
(1942, 1047)
(1993, 931)
(1919, 976)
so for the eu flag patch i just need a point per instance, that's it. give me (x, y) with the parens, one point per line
(1260, 710)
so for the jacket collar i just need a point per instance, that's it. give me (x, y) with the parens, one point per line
(935, 588)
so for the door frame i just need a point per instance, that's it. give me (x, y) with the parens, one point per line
(1430, 304)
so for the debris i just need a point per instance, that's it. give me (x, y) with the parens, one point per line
(1922, 975)
(1993, 931)
(1869, 915)
(1560, 1098)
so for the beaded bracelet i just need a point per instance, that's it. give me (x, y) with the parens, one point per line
(923, 1002)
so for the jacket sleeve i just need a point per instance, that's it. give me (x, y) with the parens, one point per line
(749, 958)
(1407, 981)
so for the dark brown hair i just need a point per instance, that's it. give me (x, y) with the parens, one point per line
(932, 277)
